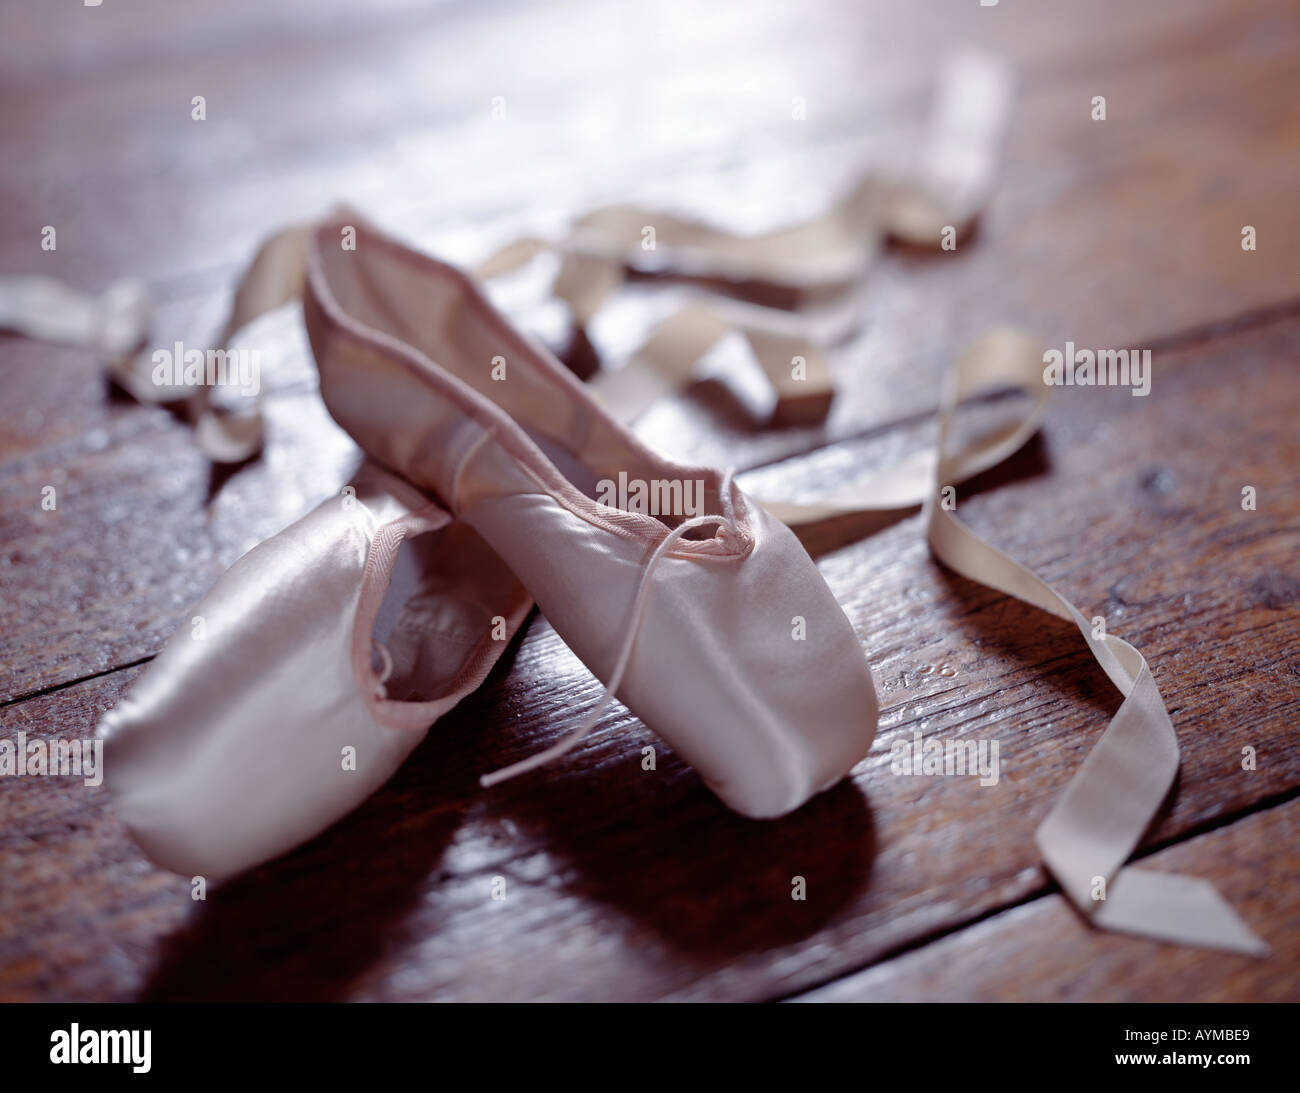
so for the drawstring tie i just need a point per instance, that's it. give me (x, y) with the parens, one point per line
(385, 667)
(555, 751)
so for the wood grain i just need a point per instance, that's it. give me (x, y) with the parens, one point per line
(621, 883)
(186, 206)
(1044, 952)
(594, 849)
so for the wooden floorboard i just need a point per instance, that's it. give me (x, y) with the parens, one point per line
(593, 850)
(624, 884)
(1044, 952)
(137, 188)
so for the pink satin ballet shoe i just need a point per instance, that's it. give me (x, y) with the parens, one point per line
(308, 673)
(707, 618)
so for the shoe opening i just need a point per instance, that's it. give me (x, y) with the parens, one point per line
(447, 594)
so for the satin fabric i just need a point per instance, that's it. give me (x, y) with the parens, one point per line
(810, 263)
(453, 438)
(744, 663)
(268, 717)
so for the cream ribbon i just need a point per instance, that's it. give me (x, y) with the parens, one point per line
(815, 261)
(1100, 818)
(117, 325)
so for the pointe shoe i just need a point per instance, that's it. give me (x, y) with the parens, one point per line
(711, 623)
(310, 671)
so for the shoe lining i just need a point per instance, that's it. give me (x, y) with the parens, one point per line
(380, 292)
(436, 612)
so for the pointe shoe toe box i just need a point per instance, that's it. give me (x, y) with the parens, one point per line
(745, 665)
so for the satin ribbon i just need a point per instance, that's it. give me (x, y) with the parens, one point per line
(117, 325)
(813, 262)
(1099, 819)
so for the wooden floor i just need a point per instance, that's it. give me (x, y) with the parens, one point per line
(623, 885)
